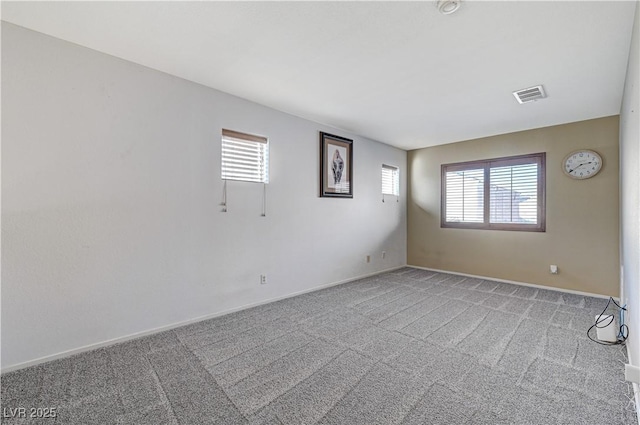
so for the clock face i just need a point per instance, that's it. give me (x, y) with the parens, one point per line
(582, 164)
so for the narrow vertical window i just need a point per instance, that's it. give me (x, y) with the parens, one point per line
(390, 180)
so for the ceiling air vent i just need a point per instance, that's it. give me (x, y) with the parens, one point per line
(529, 95)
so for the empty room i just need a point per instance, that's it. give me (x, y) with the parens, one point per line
(331, 212)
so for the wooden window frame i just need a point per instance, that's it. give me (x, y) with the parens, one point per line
(486, 165)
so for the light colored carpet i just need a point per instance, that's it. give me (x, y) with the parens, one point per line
(406, 347)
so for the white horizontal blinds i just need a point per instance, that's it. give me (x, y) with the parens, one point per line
(498, 194)
(390, 180)
(514, 194)
(245, 157)
(464, 201)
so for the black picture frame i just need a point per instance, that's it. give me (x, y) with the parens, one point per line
(336, 166)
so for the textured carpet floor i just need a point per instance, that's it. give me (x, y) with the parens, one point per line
(406, 347)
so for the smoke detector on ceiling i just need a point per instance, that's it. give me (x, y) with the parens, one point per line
(447, 7)
(530, 94)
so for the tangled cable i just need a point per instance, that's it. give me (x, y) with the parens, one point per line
(623, 331)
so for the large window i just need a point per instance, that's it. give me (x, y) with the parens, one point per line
(500, 194)
(245, 157)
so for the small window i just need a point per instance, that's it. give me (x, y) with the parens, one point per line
(245, 157)
(390, 180)
(499, 194)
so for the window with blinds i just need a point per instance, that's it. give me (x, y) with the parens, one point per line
(390, 180)
(465, 197)
(245, 157)
(499, 194)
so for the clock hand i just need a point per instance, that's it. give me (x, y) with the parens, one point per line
(584, 163)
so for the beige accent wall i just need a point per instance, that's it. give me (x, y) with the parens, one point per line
(582, 235)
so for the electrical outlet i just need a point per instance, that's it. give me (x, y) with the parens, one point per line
(263, 279)
(632, 373)
(368, 259)
(553, 269)
(384, 254)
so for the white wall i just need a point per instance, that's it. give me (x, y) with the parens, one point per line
(111, 223)
(630, 192)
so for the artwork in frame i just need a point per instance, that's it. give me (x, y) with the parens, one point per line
(336, 166)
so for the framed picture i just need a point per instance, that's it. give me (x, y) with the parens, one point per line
(336, 166)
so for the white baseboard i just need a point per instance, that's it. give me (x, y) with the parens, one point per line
(532, 285)
(636, 392)
(636, 389)
(125, 338)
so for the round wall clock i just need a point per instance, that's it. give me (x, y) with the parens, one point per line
(582, 164)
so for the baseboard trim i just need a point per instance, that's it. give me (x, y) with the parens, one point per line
(636, 389)
(129, 337)
(531, 285)
(636, 392)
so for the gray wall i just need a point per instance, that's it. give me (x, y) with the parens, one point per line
(111, 190)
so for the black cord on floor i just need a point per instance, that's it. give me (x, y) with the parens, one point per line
(623, 331)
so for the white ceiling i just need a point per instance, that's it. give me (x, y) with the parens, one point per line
(397, 72)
